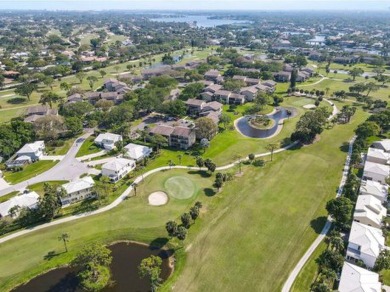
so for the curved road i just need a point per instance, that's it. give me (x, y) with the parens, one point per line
(126, 193)
(293, 275)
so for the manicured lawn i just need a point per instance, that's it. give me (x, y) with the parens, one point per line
(309, 272)
(134, 219)
(62, 150)
(88, 147)
(38, 188)
(7, 197)
(257, 229)
(29, 171)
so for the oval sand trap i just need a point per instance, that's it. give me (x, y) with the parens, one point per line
(180, 187)
(309, 106)
(158, 199)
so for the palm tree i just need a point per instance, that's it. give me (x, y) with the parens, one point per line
(135, 189)
(180, 158)
(271, 147)
(64, 238)
(327, 91)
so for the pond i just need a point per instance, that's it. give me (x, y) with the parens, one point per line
(124, 268)
(244, 127)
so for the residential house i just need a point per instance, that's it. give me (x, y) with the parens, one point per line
(213, 88)
(77, 190)
(376, 172)
(212, 75)
(33, 150)
(288, 68)
(282, 76)
(376, 189)
(35, 112)
(108, 140)
(153, 72)
(252, 81)
(378, 156)
(310, 71)
(195, 106)
(365, 243)
(269, 83)
(354, 279)
(162, 130)
(182, 138)
(383, 145)
(235, 98)
(213, 106)
(114, 85)
(137, 152)
(117, 168)
(222, 95)
(239, 77)
(75, 98)
(115, 97)
(249, 92)
(27, 200)
(369, 211)
(302, 76)
(207, 96)
(92, 97)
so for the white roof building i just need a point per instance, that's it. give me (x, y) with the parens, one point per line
(33, 150)
(365, 243)
(369, 211)
(108, 140)
(77, 190)
(376, 172)
(29, 200)
(137, 152)
(378, 190)
(357, 279)
(118, 168)
(378, 156)
(384, 145)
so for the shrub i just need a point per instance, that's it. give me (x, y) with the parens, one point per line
(259, 163)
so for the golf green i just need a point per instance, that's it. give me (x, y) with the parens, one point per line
(180, 187)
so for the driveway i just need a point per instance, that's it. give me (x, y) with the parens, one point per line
(69, 168)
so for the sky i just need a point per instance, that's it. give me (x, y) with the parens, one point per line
(248, 5)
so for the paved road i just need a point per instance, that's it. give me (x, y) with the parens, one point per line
(68, 168)
(293, 275)
(127, 192)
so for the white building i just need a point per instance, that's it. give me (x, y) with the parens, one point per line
(33, 150)
(369, 211)
(29, 200)
(137, 152)
(365, 243)
(376, 172)
(77, 190)
(107, 140)
(378, 156)
(384, 145)
(378, 190)
(118, 168)
(357, 279)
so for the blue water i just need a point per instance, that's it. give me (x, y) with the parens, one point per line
(247, 130)
(201, 20)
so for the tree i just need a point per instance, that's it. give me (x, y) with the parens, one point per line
(102, 73)
(371, 87)
(171, 227)
(49, 127)
(49, 205)
(80, 76)
(26, 89)
(91, 81)
(210, 165)
(48, 81)
(225, 119)
(271, 147)
(205, 128)
(151, 268)
(64, 237)
(300, 61)
(181, 233)
(93, 262)
(65, 86)
(341, 211)
(204, 143)
(293, 79)
(186, 220)
(194, 212)
(49, 98)
(95, 43)
(104, 104)
(199, 162)
(367, 129)
(74, 125)
(335, 241)
(354, 72)
(383, 261)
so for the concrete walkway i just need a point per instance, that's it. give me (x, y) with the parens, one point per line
(90, 156)
(293, 275)
(100, 161)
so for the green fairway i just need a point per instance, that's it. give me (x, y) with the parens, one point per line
(261, 224)
(180, 187)
(29, 171)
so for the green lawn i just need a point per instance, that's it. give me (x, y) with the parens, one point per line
(28, 171)
(62, 150)
(38, 188)
(308, 273)
(88, 147)
(257, 229)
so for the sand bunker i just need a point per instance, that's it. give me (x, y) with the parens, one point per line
(158, 199)
(309, 106)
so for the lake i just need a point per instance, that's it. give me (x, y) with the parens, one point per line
(124, 269)
(201, 20)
